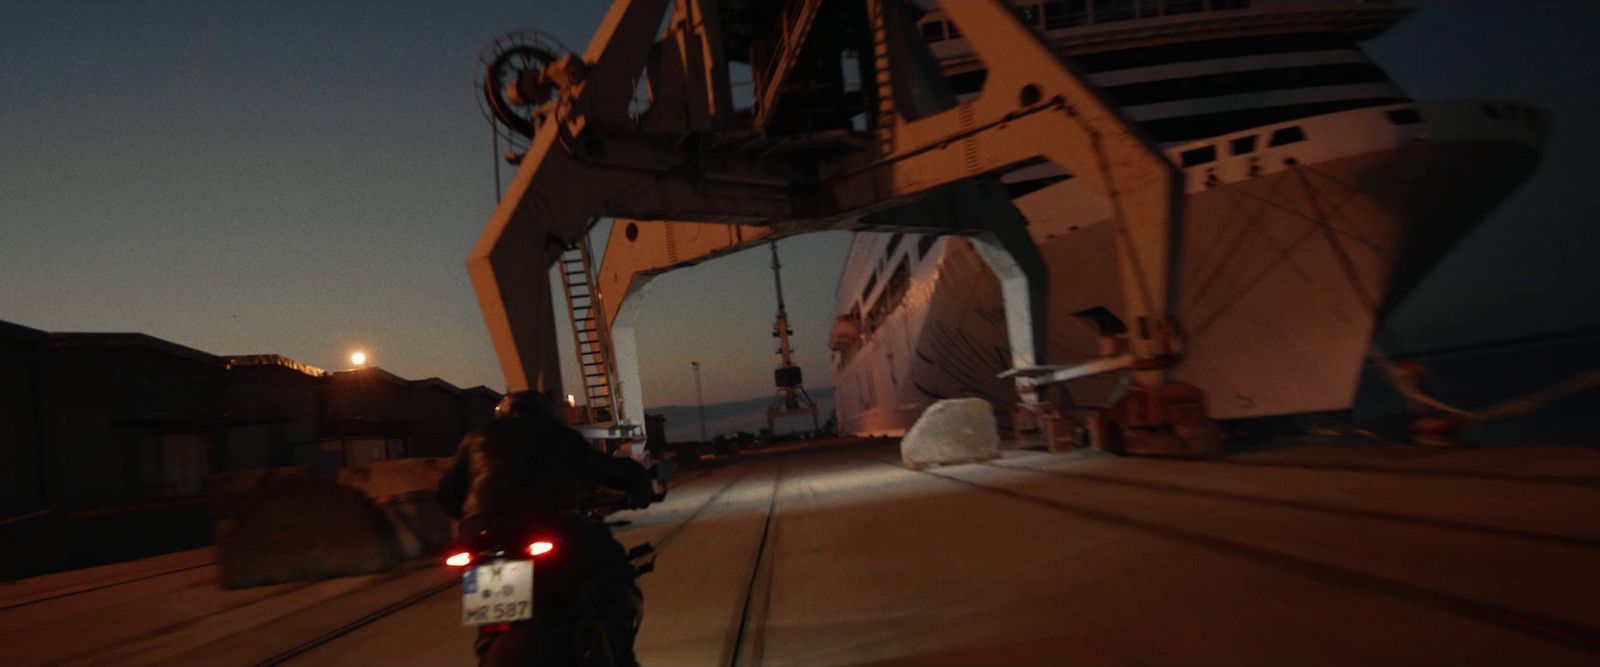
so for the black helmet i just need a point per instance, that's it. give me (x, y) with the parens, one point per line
(524, 404)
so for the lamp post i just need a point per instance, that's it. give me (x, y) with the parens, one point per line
(358, 361)
(699, 399)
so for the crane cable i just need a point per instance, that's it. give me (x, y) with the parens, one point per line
(495, 158)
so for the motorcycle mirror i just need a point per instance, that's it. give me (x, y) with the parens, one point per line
(665, 469)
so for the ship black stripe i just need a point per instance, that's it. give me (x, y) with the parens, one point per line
(1239, 83)
(1186, 128)
(1235, 47)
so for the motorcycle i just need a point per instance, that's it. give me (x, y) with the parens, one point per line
(587, 601)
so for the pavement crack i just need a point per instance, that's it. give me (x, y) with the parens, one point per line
(1432, 522)
(1580, 481)
(364, 621)
(101, 587)
(1572, 634)
(662, 543)
(752, 617)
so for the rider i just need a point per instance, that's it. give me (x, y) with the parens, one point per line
(515, 472)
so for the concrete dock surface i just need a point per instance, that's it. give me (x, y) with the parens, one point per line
(834, 554)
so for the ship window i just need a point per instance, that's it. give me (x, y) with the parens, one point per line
(1065, 14)
(1184, 6)
(1199, 155)
(1243, 145)
(1287, 135)
(1491, 111)
(925, 244)
(951, 31)
(967, 82)
(933, 31)
(1106, 11)
(1404, 116)
(894, 292)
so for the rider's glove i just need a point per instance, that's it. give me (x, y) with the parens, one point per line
(641, 497)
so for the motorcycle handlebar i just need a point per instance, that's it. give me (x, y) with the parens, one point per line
(606, 501)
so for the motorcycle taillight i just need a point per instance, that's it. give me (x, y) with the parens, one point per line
(461, 559)
(540, 548)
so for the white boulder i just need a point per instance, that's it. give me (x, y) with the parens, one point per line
(954, 430)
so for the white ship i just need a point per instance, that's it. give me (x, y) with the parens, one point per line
(1318, 196)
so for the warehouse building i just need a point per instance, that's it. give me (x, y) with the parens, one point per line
(97, 420)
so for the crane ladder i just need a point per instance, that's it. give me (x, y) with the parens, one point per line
(591, 337)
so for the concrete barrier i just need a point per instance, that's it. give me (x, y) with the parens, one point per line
(35, 544)
(56, 540)
(305, 530)
(404, 490)
(281, 524)
(400, 476)
(954, 430)
(232, 492)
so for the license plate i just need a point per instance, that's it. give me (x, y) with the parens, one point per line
(497, 592)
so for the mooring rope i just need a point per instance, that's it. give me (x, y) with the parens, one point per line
(1408, 382)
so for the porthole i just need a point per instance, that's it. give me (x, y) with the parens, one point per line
(1030, 95)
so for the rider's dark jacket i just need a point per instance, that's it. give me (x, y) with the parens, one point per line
(524, 465)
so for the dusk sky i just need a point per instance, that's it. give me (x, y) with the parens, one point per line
(307, 178)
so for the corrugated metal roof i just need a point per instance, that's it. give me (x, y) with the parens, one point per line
(358, 373)
(481, 390)
(438, 383)
(82, 339)
(17, 331)
(243, 360)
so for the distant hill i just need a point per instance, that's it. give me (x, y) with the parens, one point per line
(683, 421)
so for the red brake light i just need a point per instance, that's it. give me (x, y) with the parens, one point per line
(541, 547)
(462, 559)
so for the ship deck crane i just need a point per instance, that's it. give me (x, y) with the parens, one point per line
(687, 178)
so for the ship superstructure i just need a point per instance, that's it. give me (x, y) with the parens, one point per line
(1318, 194)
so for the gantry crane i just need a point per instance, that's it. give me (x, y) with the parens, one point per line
(791, 399)
(882, 146)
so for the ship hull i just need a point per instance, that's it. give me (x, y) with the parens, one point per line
(1291, 256)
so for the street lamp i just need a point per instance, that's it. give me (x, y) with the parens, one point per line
(699, 399)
